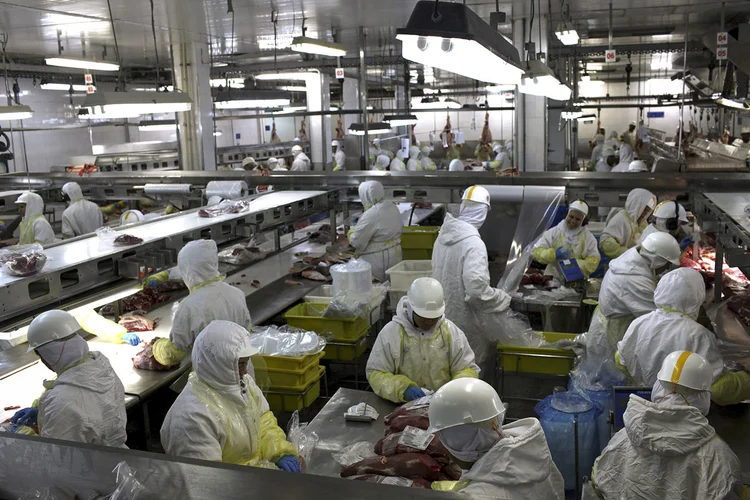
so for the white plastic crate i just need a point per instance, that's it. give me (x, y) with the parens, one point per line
(405, 272)
(394, 296)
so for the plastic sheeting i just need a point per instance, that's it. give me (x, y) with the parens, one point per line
(286, 341)
(231, 190)
(354, 277)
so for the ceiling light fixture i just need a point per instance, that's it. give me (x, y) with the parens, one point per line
(20, 112)
(251, 99)
(539, 80)
(157, 125)
(731, 103)
(571, 112)
(294, 75)
(375, 128)
(434, 102)
(129, 104)
(400, 120)
(293, 88)
(661, 61)
(451, 37)
(566, 36)
(321, 47)
(234, 83)
(67, 62)
(63, 86)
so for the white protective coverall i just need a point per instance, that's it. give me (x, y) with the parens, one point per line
(86, 402)
(301, 163)
(627, 292)
(381, 162)
(404, 355)
(427, 162)
(210, 299)
(397, 164)
(34, 227)
(580, 241)
(603, 166)
(667, 451)
(339, 160)
(220, 415)
(596, 153)
(672, 327)
(459, 263)
(377, 235)
(82, 216)
(623, 230)
(518, 466)
(414, 164)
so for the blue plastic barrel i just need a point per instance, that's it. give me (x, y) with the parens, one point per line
(557, 415)
(602, 398)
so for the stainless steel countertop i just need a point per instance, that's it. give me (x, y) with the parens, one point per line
(336, 433)
(733, 204)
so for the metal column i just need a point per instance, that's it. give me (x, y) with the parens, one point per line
(363, 100)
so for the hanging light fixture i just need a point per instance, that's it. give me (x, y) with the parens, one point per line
(566, 36)
(539, 80)
(320, 47)
(290, 75)
(251, 99)
(400, 120)
(571, 112)
(450, 36)
(69, 62)
(375, 128)
(434, 102)
(20, 112)
(235, 83)
(63, 86)
(130, 104)
(157, 125)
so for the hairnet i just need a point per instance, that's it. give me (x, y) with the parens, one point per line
(679, 395)
(198, 262)
(60, 354)
(382, 161)
(456, 166)
(371, 193)
(682, 290)
(34, 204)
(248, 161)
(638, 199)
(272, 162)
(473, 212)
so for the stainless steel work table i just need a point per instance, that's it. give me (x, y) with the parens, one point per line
(336, 433)
(566, 315)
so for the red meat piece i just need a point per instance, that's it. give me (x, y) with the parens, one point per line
(405, 410)
(145, 360)
(411, 465)
(373, 478)
(389, 446)
(452, 471)
(400, 423)
(136, 323)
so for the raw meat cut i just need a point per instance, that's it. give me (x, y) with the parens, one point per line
(145, 360)
(399, 481)
(400, 423)
(411, 465)
(26, 264)
(142, 300)
(452, 471)
(136, 323)
(127, 240)
(404, 410)
(389, 446)
(314, 275)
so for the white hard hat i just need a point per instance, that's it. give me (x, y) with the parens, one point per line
(296, 149)
(249, 160)
(478, 194)
(456, 166)
(248, 350)
(637, 166)
(633, 123)
(272, 161)
(608, 152)
(686, 369)
(335, 143)
(669, 209)
(426, 298)
(664, 245)
(50, 326)
(497, 148)
(131, 216)
(580, 206)
(376, 142)
(745, 130)
(682, 214)
(464, 401)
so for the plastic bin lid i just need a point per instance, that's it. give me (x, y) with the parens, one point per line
(568, 402)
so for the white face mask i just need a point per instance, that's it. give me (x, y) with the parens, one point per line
(468, 443)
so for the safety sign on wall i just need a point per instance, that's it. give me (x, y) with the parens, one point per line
(721, 53)
(610, 56)
(722, 38)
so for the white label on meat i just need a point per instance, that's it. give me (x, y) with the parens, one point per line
(416, 438)
(396, 481)
(530, 287)
(419, 403)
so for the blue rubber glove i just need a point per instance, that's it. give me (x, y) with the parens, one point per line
(288, 463)
(27, 416)
(413, 392)
(686, 242)
(563, 253)
(131, 338)
(355, 219)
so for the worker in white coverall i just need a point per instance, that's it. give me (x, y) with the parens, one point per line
(82, 216)
(427, 162)
(222, 415)
(34, 227)
(627, 292)
(377, 235)
(339, 158)
(420, 349)
(397, 164)
(596, 153)
(503, 461)
(381, 163)
(672, 327)
(570, 239)
(301, 162)
(86, 401)
(626, 157)
(668, 450)
(459, 263)
(414, 164)
(670, 217)
(210, 299)
(625, 226)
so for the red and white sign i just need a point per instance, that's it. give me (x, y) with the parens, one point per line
(721, 53)
(88, 79)
(90, 89)
(722, 38)
(610, 56)
(339, 73)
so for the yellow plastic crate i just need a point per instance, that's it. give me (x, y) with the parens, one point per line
(346, 352)
(420, 237)
(294, 402)
(520, 359)
(416, 253)
(294, 380)
(308, 316)
(298, 364)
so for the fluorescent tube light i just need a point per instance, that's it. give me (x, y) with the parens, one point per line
(539, 80)
(567, 37)
(157, 125)
(400, 120)
(67, 62)
(217, 133)
(731, 103)
(235, 83)
(435, 103)
(375, 128)
(459, 41)
(20, 112)
(661, 61)
(293, 88)
(251, 99)
(571, 112)
(295, 75)
(129, 104)
(320, 47)
(63, 86)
